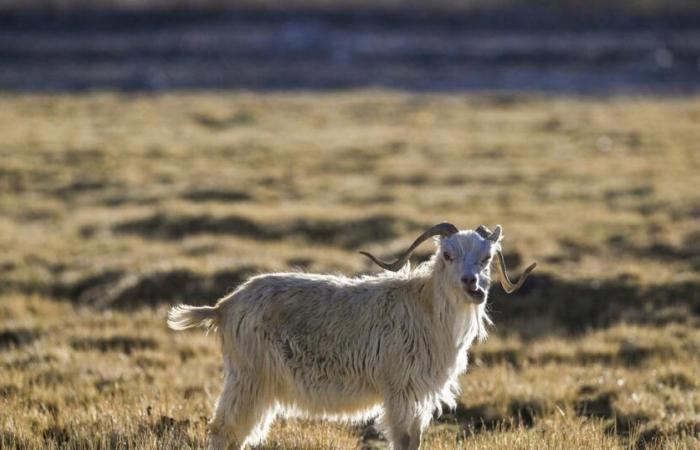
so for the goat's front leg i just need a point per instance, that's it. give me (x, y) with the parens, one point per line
(403, 423)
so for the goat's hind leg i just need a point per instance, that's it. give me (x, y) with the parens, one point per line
(243, 413)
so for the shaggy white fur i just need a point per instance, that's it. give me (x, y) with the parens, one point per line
(390, 345)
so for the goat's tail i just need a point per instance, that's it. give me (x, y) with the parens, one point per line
(182, 317)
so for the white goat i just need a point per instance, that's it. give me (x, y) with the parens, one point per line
(352, 348)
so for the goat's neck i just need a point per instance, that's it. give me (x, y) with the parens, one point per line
(450, 313)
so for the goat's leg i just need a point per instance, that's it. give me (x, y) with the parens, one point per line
(420, 423)
(240, 411)
(259, 432)
(403, 424)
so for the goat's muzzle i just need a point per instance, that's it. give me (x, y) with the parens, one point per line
(476, 295)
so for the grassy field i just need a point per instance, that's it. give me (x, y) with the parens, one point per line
(113, 207)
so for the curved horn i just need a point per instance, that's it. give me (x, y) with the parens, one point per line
(442, 229)
(507, 284)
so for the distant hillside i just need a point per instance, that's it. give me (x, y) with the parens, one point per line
(634, 6)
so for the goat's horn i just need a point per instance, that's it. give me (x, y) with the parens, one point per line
(483, 231)
(507, 284)
(442, 229)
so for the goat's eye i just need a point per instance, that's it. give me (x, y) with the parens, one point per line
(485, 261)
(448, 256)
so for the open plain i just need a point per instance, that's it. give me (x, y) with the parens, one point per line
(115, 206)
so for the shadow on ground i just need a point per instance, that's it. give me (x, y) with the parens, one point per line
(576, 306)
(545, 305)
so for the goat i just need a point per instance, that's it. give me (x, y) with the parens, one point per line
(389, 345)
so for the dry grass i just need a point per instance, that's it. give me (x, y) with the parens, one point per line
(115, 206)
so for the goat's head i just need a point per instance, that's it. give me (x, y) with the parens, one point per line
(463, 259)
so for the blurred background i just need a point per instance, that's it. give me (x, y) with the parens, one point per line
(157, 152)
(552, 46)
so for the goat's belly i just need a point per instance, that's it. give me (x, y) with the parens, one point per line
(335, 408)
(338, 398)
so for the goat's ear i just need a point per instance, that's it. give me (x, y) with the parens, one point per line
(496, 236)
(437, 240)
